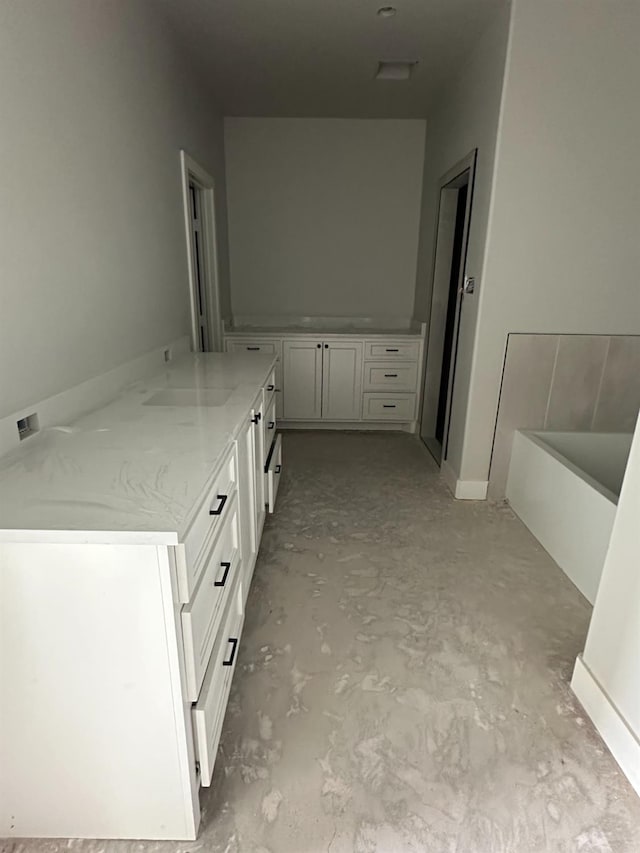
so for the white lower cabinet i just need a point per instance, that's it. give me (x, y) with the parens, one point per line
(117, 648)
(340, 378)
(273, 471)
(201, 616)
(389, 407)
(323, 380)
(208, 713)
(302, 375)
(249, 540)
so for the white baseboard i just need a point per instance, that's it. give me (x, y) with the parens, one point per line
(463, 490)
(621, 741)
(70, 404)
(351, 426)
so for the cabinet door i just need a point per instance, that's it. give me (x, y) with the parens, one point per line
(302, 363)
(259, 459)
(247, 499)
(342, 381)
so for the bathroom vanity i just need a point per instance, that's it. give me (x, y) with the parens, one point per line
(354, 377)
(127, 548)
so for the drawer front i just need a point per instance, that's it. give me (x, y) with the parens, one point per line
(396, 407)
(384, 350)
(390, 377)
(208, 713)
(270, 422)
(202, 617)
(270, 389)
(274, 471)
(265, 347)
(268, 346)
(208, 520)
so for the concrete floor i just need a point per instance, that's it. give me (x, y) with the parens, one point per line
(403, 681)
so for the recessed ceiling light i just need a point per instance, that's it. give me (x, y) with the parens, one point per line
(386, 11)
(395, 70)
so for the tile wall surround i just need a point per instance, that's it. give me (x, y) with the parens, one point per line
(589, 383)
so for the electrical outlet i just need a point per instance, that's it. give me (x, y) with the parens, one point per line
(28, 426)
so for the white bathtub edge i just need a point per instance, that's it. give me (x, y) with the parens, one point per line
(611, 725)
(570, 518)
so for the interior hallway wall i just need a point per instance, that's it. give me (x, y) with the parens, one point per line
(607, 677)
(466, 117)
(96, 102)
(323, 215)
(562, 251)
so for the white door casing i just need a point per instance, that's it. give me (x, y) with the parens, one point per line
(204, 312)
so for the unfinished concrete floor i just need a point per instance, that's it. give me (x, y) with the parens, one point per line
(403, 681)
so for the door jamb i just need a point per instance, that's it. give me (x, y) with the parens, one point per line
(467, 163)
(192, 171)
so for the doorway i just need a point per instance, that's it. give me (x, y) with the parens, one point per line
(202, 255)
(452, 233)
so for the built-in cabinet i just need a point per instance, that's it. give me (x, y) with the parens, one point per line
(120, 640)
(342, 379)
(302, 365)
(323, 380)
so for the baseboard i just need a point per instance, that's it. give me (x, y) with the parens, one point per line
(351, 426)
(622, 743)
(463, 490)
(60, 409)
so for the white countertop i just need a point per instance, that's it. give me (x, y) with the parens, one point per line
(353, 331)
(129, 472)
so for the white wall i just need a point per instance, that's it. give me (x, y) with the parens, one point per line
(562, 252)
(612, 651)
(466, 117)
(323, 215)
(95, 103)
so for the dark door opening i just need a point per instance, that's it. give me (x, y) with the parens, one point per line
(455, 194)
(452, 303)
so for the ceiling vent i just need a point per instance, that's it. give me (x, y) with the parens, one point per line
(395, 70)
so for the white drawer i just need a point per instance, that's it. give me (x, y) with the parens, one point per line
(270, 389)
(266, 347)
(205, 524)
(270, 422)
(274, 470)
(201, 618)
(390, 377)
(403, 350)
(208, 713)
(269, 346)
(389, 407)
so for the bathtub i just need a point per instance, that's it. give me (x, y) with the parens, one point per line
(564, 486)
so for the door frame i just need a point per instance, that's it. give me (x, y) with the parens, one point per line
(192, 172)
(454, 178)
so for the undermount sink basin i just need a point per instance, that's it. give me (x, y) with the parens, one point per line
(189, 397)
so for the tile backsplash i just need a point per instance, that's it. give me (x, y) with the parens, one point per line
(589, 383)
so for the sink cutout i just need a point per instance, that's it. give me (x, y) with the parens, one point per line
(189, 397)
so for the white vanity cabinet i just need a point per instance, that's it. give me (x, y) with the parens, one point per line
(349, 380)
(126, 553)
(262, 346)
(342, 380)
(302, 373)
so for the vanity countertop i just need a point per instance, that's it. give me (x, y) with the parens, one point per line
(133, 470)
(360, 331)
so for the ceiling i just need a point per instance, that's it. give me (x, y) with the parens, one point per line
(319, 57)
